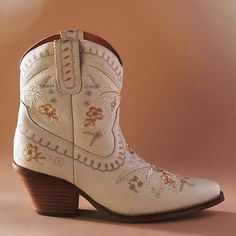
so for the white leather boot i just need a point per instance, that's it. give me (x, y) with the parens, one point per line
(68, 141)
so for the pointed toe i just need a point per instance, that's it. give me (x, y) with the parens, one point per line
(205, 190)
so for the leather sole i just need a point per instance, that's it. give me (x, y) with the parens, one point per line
(53, 196)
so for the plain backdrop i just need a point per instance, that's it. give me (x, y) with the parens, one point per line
(178, 100)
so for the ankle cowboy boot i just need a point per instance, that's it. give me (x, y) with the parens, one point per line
(68, 141)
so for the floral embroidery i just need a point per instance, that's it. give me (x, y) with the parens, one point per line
(31, 95)
(32, 153)
(163, 179)
(135, 183)
(157, 191)
(89, 87)
(168, 180)
(93, 114)
(49, 111)
(93, 84)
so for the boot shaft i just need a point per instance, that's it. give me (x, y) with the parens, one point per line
(69, 110)
(71, 88)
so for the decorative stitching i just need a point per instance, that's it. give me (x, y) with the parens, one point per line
(129, 149)
(166, 179)
(104, 163)
(96, 135)
(94, 84)
(32, 138)
(104, 72)
(32, 153)
(109, 60)
(26, 65)
(68, 65)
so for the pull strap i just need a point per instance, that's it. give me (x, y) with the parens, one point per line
(67, 60)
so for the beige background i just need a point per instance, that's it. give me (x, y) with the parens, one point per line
(178, 102)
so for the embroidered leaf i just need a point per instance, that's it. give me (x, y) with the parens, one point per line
(148, 174)
(110, 94)
(126, 174)
(31, 95)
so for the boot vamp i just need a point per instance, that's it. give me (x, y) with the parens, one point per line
(138, 187)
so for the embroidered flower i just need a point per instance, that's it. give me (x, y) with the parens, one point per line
(135, 183)
(132, 187)
(168, 180)
(32, 153)
(93, 114)
(162, 179)
(49, 111)
(140, 184)
(135, 178)
(157, 191)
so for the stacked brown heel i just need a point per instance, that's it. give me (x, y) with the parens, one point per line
(50, 195)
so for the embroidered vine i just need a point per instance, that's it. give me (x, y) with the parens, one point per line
(31, 95)
(95, 135)
(143, 174)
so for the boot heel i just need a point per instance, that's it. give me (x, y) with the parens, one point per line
(50, 195)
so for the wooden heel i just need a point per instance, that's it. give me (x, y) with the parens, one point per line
(50, 195)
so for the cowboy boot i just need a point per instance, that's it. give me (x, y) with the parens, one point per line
(68, 142)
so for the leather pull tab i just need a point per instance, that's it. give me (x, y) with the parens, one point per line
(67, 60)
(72, 34)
